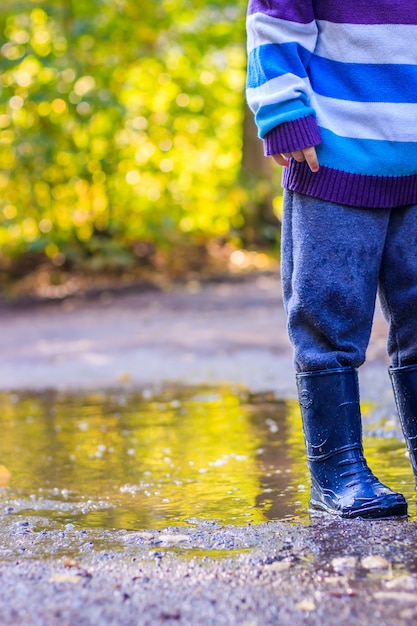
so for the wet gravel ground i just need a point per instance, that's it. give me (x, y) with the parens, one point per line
(331, 571)
(326, 571)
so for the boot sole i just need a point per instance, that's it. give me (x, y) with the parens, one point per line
(398, 511)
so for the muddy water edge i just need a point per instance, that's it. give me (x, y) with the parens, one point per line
(190, 506)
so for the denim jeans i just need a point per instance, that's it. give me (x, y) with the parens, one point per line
(334, 261)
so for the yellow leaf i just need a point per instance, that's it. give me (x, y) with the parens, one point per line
(64, 578)
(4, 475)
(306, 605)
(125, 377)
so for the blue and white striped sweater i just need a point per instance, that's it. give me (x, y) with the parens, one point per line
(343, 79)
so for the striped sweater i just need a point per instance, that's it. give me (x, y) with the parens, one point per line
(340, 75)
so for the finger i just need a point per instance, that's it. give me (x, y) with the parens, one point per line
(310, 156)
(299, 155)
(280, 159)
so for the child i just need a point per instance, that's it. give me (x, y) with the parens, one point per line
(333, 85)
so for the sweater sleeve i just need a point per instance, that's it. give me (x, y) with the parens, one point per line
(282, 36)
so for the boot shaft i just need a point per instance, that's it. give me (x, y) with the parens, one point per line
(330, 409)
(342, 482)
(404, 384)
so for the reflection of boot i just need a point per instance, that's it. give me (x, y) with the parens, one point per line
(404, 383)
(342, 483)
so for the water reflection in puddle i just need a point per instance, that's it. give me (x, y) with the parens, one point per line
(146, 460)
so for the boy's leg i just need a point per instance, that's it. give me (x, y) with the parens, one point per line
(331, 257)
(330, 264)
(398, 285)
(398, 294)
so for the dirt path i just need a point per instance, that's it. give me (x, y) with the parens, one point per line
(228, 332)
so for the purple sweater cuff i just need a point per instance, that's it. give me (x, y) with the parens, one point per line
(291, 136)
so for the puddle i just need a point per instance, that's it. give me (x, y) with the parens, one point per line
(145, 461)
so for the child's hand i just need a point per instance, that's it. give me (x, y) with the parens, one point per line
(308, 154)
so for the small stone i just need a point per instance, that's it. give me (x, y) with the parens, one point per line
(343, 563)
(306, 605)
(404, 583)
(399, 596)
(374, 561)
(172, 538)
(278, 566)
(64, 578)
(335, 580)
(144, 535)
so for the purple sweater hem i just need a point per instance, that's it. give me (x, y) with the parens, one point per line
(291, 136)
(350, 189)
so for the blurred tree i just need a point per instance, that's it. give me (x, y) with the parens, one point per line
(261, 221)
(120, 128)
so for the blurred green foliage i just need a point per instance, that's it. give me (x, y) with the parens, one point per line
(120, 127)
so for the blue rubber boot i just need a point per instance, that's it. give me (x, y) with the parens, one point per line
(404, 383)
(342, 483)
